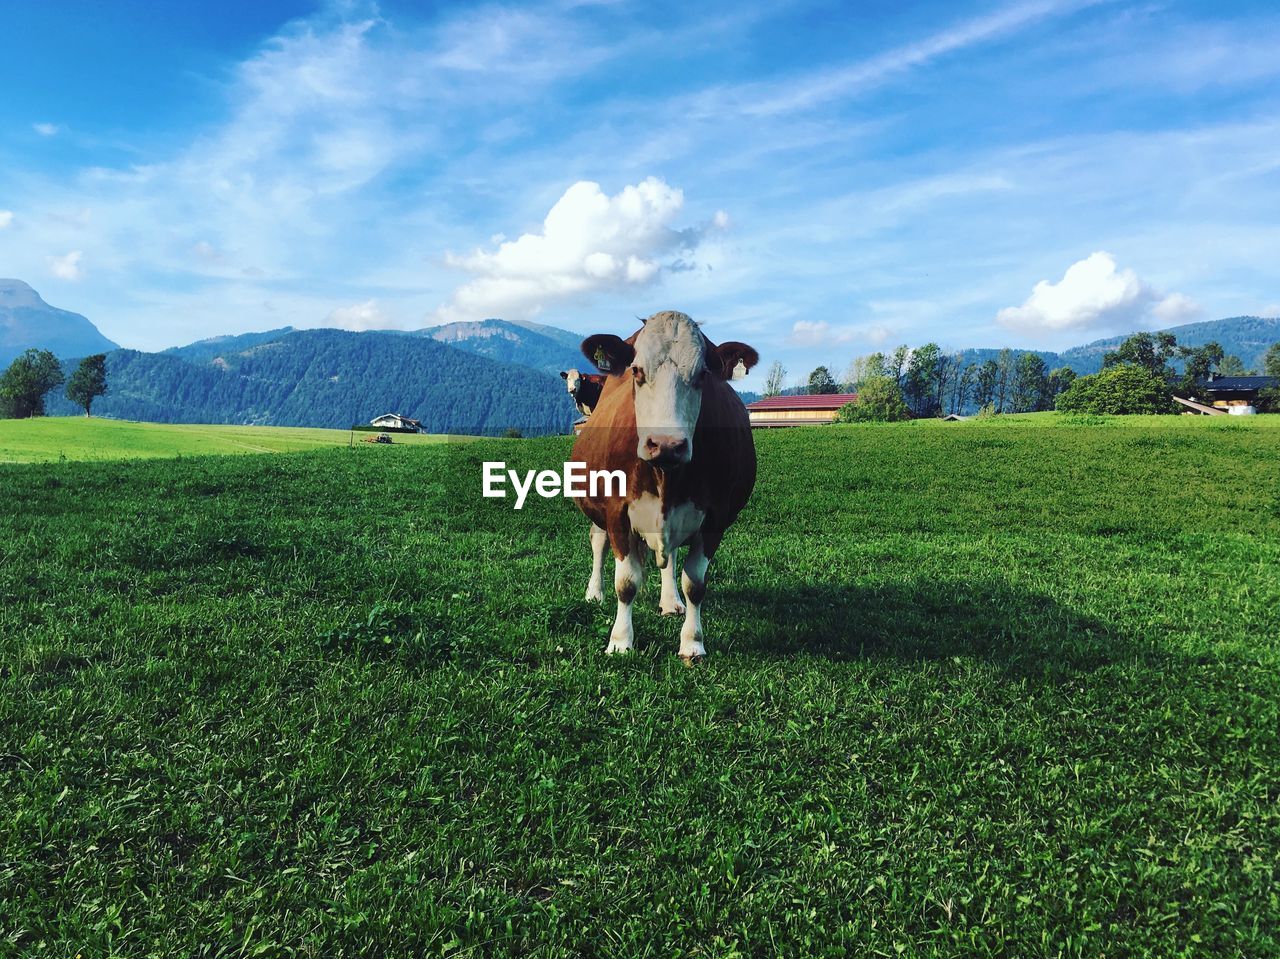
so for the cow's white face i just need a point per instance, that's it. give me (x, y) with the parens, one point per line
(667, 374)
(572, 380)
(668, 362)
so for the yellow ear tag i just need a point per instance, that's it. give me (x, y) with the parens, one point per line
(739, 371)
(602, 360)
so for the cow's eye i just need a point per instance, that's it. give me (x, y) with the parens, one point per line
(638, 373)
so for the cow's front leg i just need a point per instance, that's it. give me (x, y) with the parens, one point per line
(627, 577)
(599, 540)
(670, 604)
(694, 580)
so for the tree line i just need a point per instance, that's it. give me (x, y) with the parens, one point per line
(927, 381)
(37, 373)
(1139, 377)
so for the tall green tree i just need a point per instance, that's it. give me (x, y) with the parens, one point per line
(1269, 398)
(984, 383)
(1028, 384)
(1271, 361)
(919, 386)
(822, 382)
(879, 401)
(863, 367)
(962, 385)
(947, 369)
(1006, 370)
(1058, 382)
(896, 365)
(1150, 351)
(88, 382)
(27, 381)
(1200, 362)
(1232, 365)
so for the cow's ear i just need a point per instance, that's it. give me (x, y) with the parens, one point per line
(564, 374)
(609, 353)
(736, 359)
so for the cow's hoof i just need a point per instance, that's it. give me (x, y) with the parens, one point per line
(691, 659)
(594, 596)
(676, 610)
(617, 649)
(692, 652)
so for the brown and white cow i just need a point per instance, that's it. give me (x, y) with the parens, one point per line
(669, 420)
(585, 389)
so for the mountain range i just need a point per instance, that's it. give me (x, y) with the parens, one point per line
(1247, 337)
(529, 344)
(472, 377)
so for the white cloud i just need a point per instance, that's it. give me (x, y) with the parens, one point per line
(1270, 309)
(1175, 309)
(822, 333)
(589, 243)
(1094, 294)
(46, 129)
(359, 316)
(6, 217)
(816, 333)
(67, 267)
(877, 334)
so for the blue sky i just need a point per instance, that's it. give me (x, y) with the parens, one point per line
(819, 179)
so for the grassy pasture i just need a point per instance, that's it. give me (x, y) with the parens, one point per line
(57, 438)
(972, 691)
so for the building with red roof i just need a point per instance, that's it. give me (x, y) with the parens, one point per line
(797, 410)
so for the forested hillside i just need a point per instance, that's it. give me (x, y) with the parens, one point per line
(333, 378)
(1244, 336)
(202, 351)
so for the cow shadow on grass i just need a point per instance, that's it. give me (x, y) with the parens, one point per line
(1023, 632)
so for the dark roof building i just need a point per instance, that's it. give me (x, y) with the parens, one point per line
(1217, 383)
(1226, 391)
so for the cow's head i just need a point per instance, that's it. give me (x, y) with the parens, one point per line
(667, 362)
(572, 380)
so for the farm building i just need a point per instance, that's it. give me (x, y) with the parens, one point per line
(1233, 393)
(797, 410)
(394, 421)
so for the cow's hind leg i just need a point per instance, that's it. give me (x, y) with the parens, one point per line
(670, 604)
(627, 577)
(694, 580)
(599, 540)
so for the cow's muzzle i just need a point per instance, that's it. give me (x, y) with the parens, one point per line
(666, 452)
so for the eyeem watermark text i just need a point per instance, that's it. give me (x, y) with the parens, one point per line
(573, 481)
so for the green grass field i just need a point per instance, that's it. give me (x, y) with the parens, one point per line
(971, 691)
(56, 438)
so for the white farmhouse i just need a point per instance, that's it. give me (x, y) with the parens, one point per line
(394, 421)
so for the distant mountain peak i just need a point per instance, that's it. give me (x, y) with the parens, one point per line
(511, 341)
(14, 293)
(27, 321)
